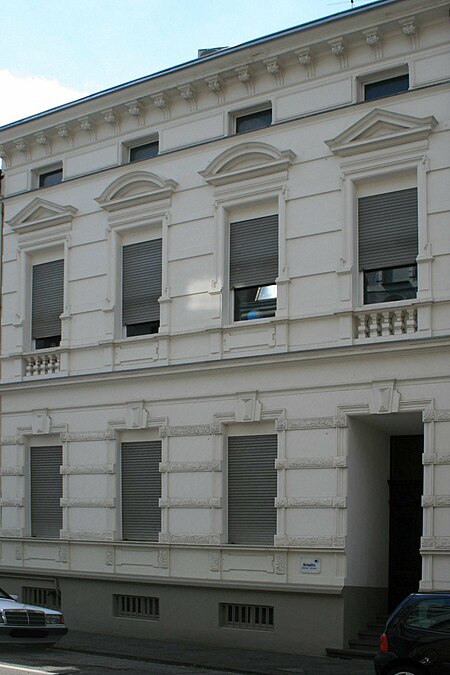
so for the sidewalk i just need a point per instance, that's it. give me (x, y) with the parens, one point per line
(216, 658)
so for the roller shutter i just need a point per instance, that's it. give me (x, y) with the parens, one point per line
(141, 490)
(254, 252)
(142, 281)
(47, 299)
(46, 491)
(252, 489)
(388, 230)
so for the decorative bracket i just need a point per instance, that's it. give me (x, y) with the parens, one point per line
(339, 51)
(244, 75)
(305, 57)
(373, 39)
(409, 28)
(274, 68)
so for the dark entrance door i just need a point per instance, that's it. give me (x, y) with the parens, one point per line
(405, 517)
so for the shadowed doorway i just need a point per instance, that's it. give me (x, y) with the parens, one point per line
(405, 516)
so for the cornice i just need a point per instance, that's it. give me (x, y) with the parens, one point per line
(404, 347)
(303, 47)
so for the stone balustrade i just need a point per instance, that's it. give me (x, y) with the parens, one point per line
(42, 363)
(386, 323)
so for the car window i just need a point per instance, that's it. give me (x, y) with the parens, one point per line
(432, 614)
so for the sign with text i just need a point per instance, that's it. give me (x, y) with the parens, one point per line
(310, 566)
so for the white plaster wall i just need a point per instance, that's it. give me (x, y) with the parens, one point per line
(368, 505)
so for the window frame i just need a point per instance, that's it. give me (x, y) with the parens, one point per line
(380, 76)
(155, 226)
(135, 143)
(236, 115)
(235, 290)
(374, 192)
(260, 200)
(124, 328)
(353, 177)
(38, 173)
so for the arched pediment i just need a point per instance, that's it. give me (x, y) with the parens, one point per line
(40, 214)
(246, 160)
(381, 129)
(132, 189)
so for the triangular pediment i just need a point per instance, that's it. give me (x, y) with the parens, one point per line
(246, 160)
(39, 214)
(133, 189)
(381, 129)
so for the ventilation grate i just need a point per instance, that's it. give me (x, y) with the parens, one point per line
(247, 617)
(45, 597)
(136, 607)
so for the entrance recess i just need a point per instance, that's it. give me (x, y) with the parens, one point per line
(405, 516)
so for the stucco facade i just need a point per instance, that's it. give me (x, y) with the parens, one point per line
(333, 378)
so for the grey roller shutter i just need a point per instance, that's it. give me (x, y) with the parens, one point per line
(141, 286)
(254, 252)
(388, 230)
(47, 299)
(252, 488)
(46, 491)
(141, 490)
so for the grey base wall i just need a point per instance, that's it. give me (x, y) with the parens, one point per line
(361, 606)
(304, 623)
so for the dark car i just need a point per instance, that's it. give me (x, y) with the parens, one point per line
(29, 624)
(416, 639)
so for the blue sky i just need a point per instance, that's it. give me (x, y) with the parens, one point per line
(54, 51)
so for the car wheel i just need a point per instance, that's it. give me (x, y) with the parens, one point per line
(408, 670)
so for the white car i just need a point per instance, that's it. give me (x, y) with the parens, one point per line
(29, 624)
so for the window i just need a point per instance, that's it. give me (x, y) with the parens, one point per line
(141, 490)
(431, 614)
(388, 245)
(136, 607)
(252, 489)
(143, 151)
(254, 267)
(248, 617)
(386, 87)
(48, 178)
(47, 303)
(141, 287)
(46, 491)
(250, 121)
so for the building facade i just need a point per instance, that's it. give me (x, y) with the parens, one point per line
(225, 386)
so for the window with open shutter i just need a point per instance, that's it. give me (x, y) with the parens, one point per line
(47, 303)
(254, 267)
(46, 491)
(388, 245)
(141, 287)
(141, 490)
(252, 489)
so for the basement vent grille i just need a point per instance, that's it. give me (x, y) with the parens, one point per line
(248, 617)
(136, 607)
(45, 597)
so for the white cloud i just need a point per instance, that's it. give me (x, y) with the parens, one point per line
(25, 95)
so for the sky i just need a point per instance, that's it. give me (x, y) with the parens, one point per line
(56, 51)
